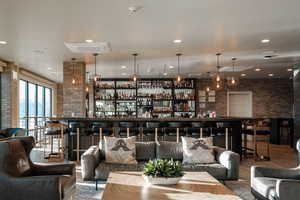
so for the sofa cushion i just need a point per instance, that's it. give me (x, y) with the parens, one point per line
(197, 150)
(145, 151)
(216, 170)
(265, 186)
(169, 150)
(120, 150)
(103, 169)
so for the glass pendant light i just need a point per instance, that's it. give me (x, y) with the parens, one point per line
(73, 71)
(218, 78)
(178, 77)
(87, 82)
(135, 76)
(96, 76)
(233, 80)
(208, 88)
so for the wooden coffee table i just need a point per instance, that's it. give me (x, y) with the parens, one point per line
(193, 186)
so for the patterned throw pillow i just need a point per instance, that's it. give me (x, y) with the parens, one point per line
(197, 151)
(120, 150)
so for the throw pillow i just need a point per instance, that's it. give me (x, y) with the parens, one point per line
(120, 150)
(197, 151)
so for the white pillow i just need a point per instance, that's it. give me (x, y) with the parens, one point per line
(120, 150)
(197, 150)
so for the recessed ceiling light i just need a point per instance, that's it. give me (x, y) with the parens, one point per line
(89, 41)
(165, 74)
(3, 42)
(290, 69)
(265, 41)
(123, 67)
(49, 68)
(243, 74)
(177, 41)
(270, 75)
(124, 74)
(257, 69)
(171, 67)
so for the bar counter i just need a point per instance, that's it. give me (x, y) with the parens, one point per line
(234, 123)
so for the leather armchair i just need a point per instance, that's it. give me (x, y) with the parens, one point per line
(276, 184)
(20, 179)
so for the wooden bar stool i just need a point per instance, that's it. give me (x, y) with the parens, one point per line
(226, 129)
(127, 129)
(175, 129)
(77, 129)
(154, 129)
(199, 129)
(101, 129)
(56, 130)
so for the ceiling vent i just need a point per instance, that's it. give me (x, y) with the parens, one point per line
(95, 47)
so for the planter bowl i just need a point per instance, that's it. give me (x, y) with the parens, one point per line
(161, 180)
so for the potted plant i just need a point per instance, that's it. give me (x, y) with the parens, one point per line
(163, 172)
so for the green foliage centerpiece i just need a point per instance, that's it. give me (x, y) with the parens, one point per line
(163, 172)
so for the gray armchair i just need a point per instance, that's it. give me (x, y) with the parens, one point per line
(276, 184)
(20, 179)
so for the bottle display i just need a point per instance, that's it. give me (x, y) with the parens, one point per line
(184, 84)
(184, 94)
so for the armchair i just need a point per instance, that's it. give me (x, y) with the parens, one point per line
(276, 184)
(20, 179)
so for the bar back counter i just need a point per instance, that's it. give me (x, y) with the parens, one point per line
(85, 132)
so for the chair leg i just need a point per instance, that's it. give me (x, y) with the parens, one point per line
(156, 140)
(177, 135)
(128, 132)
(201, 132)
(96, 185)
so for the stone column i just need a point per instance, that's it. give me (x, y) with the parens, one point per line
(296, 104)
(74, 94)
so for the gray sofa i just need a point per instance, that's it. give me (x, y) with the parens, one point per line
(276, 184)
(95, 168)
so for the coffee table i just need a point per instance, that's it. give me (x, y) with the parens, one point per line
(193, 186)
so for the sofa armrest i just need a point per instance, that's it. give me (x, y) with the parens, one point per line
(54, 169)
(33, 188)
(258, 171)
(230, 160)
(288, 189)
(90, 159)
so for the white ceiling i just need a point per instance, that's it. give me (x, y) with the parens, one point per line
(36, 31)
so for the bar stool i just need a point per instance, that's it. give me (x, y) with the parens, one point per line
(256, 129)
(127, 129)
(101, 129)
(227, 127)
(57, 130)
(199, 129)
(285, 127)
(77, 129)
(173, 129)
(154, 129)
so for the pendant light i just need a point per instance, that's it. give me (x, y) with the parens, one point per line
(96, 76)
(232, 80)
(178, 77)
(135, 76)
(73, 71)
(87, 82)
(218, 79)
(207, 88)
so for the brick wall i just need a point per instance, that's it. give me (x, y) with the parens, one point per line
(271, 97)
(74, 94)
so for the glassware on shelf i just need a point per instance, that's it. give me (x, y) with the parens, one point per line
(126, 95)
(184, 106)
(185, 94)
(105, 84)
(104, 94)
(184, 84)
(126, 84)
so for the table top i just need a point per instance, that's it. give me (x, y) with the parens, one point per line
(193, 186)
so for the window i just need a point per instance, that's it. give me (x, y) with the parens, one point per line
(34, 101)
